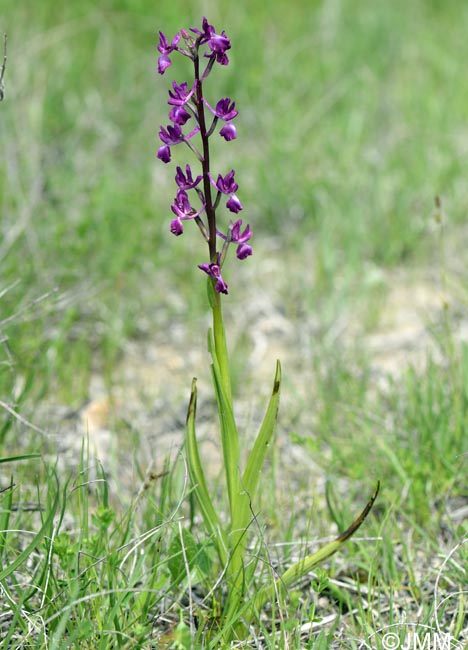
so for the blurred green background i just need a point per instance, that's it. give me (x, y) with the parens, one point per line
(353, 116)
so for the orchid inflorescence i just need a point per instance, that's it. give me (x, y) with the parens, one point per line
(187, 103)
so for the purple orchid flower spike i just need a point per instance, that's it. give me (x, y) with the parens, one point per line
(187, 101)
(164, 61)
(214, 271)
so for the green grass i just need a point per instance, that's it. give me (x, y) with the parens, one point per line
(352, 119)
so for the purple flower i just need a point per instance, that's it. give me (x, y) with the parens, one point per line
(183, 211)
(164, 61)
(185, 181)
(214, 271)
(227, 185)
(164, 153)
(218, 43)
(173, 135)
(235, 236)
(224, 110)
(233, 204)
(181, 206)
(228, 132)
(181, 94)
(179, 115)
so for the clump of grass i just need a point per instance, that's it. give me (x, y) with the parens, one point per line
(77, 572)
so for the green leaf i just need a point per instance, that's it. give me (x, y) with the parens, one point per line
(258, 454)
(308, 563)
(197, 478)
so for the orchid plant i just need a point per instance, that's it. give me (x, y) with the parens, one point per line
(199, 198)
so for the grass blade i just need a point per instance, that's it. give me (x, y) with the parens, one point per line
(259, 451)
(14, 459)
(48, 522)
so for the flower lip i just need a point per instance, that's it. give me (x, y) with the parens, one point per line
(228, 132)
(233, 204)
(164, 153)
(179, 115)
(163, 63)
(177, 227)
(243, 251)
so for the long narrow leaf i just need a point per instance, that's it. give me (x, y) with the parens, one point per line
(197, 477)
(238, 498)
(304, 566)
(259, 451)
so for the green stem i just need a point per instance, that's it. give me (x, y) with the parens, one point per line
(231, 455)
(220, 343)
